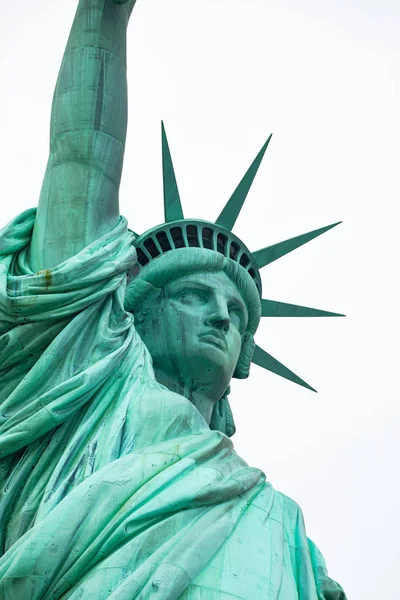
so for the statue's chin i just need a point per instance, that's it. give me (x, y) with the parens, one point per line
(208, 369)
(204, 362)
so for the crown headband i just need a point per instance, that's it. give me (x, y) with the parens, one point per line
(178, 232)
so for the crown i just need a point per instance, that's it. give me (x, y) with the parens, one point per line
(178, 232)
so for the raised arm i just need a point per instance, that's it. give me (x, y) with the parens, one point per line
(79, 196)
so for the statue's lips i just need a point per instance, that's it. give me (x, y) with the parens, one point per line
(215, 338)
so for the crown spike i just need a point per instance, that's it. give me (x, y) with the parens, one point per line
(230, 213)
(271, 308)
(270, 253)
(268, 362)
(172, 202)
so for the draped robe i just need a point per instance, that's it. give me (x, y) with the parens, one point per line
(113, 487)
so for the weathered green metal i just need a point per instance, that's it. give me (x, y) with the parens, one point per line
(172, 201)
(269, 254)
(268, 362)
(231, 211)
(272, 308)
(117, 478)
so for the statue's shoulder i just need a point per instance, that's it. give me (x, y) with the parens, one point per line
(289, 513)
(281, 509)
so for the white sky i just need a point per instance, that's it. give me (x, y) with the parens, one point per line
(324, 78)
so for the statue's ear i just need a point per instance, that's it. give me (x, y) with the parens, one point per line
(141, 306)
(242, 370)
(140, 316)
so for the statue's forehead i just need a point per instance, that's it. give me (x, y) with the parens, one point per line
(219, 282)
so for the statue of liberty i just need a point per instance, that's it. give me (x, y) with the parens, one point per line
(118, 476)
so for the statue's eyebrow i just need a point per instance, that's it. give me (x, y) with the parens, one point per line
(187, 284)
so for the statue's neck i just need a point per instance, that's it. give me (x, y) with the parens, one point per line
(200, 395)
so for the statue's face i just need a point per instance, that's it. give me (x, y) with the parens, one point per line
(194, 329)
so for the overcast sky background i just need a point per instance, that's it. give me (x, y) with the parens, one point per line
(324, 78)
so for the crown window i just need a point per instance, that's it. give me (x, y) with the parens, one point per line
(142, 258)
(207, 235)
(222, 241)
(163, 241)
(192, 236)
(244, 260)
(177, 237)
(151, 248)
(234, 250)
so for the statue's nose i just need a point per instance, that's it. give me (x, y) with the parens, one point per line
(220, 320)
(222, 324)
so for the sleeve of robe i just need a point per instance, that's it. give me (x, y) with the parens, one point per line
(79, 199)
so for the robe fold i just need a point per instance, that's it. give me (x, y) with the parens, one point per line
(113, 487)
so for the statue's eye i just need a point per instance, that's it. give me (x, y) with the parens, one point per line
(192, 295)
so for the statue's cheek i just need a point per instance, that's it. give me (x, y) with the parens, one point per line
(186, 316)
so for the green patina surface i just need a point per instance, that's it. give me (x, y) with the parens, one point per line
(118, 477)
